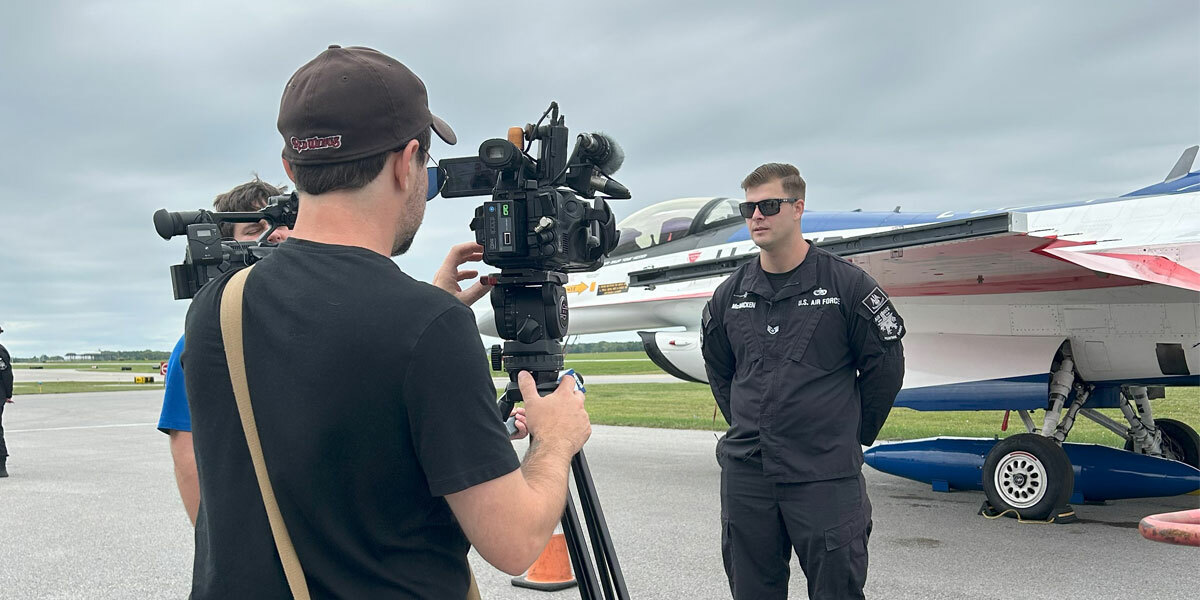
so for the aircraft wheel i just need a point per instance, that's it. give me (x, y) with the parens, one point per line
(1180, 442)
(1028, 473)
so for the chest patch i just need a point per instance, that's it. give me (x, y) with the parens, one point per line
(3, 365)
(742, 305)
(772, 329)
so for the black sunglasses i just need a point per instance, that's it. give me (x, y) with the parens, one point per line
(768, 207)
(437, 180)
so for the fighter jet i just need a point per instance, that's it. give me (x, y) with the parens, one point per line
(1065, 308)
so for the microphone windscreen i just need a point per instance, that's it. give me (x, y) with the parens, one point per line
(613, 158)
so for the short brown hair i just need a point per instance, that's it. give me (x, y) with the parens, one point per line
(349, 175)
(788, 176)
(249, 196)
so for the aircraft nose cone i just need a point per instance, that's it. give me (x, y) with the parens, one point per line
(485, 320)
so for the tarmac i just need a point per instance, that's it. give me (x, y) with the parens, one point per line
(91, 511)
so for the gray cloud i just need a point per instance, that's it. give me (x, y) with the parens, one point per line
(113, 110)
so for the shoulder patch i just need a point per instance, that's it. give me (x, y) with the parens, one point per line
(891, 327)
(875, 300)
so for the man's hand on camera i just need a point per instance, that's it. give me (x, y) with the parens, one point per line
(518, 413)
(557, 419)
(448, 276)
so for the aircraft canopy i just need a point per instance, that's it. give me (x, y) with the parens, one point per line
(671, 220)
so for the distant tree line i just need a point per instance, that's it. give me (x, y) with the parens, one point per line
(101, 356)
(605, 347)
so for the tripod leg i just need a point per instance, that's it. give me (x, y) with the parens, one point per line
(590, 500)
(594, 531)
(581, 559)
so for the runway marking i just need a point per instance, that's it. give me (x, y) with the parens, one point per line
(81, 427)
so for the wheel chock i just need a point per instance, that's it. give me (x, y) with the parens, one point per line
(552, 569)
(1061, 515)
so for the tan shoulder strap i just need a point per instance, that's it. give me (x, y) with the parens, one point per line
(231, 332)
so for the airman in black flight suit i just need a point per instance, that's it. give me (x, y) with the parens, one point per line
(804, 357)
(6, 392)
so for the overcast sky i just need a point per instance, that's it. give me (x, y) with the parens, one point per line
(111, 110)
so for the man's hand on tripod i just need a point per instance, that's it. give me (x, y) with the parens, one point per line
(559, 427)
(559, 419)
(449, 274)
(518, 415)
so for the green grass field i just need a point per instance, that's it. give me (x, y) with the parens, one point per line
(690, 406)
(607, 363)
(24, 388)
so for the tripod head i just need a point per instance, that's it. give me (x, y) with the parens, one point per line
(531, 315)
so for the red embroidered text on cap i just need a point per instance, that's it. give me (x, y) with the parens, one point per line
(316, 143)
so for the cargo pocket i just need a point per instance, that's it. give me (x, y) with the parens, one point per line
(849, 530)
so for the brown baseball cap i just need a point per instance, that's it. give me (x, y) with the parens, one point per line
(351, 103)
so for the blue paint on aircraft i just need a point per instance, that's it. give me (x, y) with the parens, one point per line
(821, 221)
(1101, 472)
(1183, 185)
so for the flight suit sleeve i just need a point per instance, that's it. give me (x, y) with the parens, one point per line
(875, 333)
(719, 361)
(6, 375)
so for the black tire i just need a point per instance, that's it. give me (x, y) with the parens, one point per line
(1181, 441)
(1028, 473)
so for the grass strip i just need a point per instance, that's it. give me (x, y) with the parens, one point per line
(690, 406)
(71, 387)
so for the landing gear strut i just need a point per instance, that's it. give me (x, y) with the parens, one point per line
(1029, 474)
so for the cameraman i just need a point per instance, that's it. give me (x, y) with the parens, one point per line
(374, 403)
(174, 419)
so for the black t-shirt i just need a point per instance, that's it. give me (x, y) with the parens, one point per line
(373, 400)
(778, 280)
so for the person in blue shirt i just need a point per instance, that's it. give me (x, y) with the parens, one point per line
(175, 420)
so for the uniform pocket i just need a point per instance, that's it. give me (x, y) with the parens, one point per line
(848, 531)
(827, 346)
(807, 343)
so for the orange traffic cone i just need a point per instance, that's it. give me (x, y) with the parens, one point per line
(552, 569)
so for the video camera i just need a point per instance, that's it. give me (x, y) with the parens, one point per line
(537, 228)
(536, 218)
(208, 255)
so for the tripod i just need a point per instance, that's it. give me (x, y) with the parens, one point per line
(531, 315)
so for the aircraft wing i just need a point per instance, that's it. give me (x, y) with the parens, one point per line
(1004, 255)
(991, 254)
(1001, 254)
